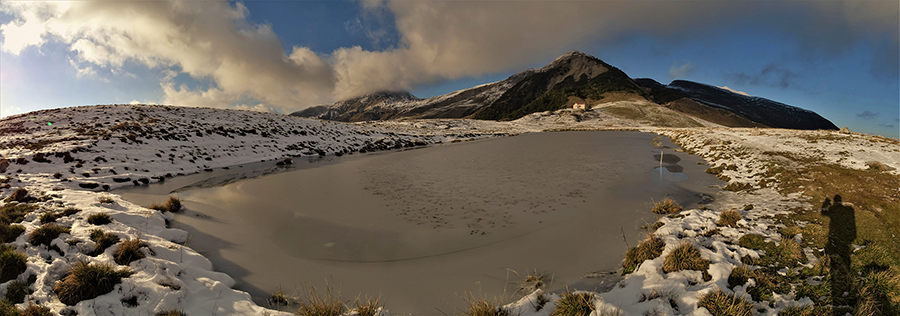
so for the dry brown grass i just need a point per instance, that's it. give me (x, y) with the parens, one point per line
(648, 249)
(173, 204)
(729, 218)
(327, 303)
(87, 281)
(719, 303)
(686, 257)
(129, 251)
(667, 206)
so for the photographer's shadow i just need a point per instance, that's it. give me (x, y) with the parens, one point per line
(841, 233)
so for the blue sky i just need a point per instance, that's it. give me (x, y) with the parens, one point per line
(837, 58)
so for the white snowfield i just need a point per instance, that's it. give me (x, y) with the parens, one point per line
(72, 156)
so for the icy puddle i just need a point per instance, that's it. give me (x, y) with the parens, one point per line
(421, 228)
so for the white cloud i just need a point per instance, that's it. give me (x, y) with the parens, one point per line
(676, 72)
(735, 91)
(213, 42)
(19, 34)
(207, 40)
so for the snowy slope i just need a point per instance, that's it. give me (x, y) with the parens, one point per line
(71, 156)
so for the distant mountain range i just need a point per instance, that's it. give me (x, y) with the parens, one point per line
(574, 77)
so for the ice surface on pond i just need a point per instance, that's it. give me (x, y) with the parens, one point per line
(421, 227)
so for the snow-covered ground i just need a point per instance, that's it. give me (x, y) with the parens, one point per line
(72, 156)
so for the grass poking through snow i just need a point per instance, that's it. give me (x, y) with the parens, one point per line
(686, 257)
(87, 281)
(667, 206)
(650, 248)
(719, 303)
(574, 304)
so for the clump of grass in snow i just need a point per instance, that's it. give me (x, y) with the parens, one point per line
(106, 200)
(46, 233)
(70, 211)
(729, 218)
(574, 304)
(171, 312)
(87, 281)
(99, 219)
(764, 284)
(103, 240)
(650, 248)
(129, 251)
(16, 292)
(719, 303)
(15, 212)
(9, 233)
(667, 206)
(12, 263)
(49, 217)
(173, 205)
(686, 257)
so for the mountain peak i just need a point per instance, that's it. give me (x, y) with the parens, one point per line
(573, 57)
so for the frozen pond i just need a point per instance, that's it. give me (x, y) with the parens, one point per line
(420, 228)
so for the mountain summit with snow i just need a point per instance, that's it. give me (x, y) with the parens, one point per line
(574, 77)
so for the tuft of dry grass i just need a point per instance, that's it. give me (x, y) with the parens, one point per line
(321, 304)
(106, 200)
(532, 281)
(171, 312)
(574, 304)
(667, 206)
(12, 263)
(9, 233)
(16, 292)
(86, 281)
(280, 299)
(49, 217)
(686, 257)
(173, 204)
(719, 303)
(368, 306)
(648, 249)
(99, 219)
(45, 234)
(103, 240)
(729, 218)
(129, 251)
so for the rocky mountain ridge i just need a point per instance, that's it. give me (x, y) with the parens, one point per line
(572, 77)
